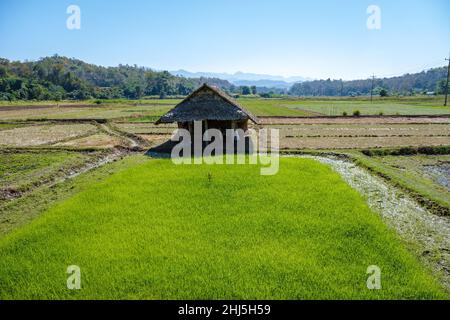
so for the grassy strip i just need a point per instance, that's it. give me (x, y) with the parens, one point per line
(7, 126)
(20, 172)
(18, 212)
(407, 151)
(161, 231)
(141, 119)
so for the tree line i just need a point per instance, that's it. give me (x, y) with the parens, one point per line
(432, 80)
(58, 78)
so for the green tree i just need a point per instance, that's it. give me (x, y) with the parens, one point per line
(138, 92)
(3, 71)
(440, 86)
(383, 93)
(245, 90)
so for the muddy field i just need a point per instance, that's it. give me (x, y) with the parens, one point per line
(360, 132)
(440, 173)
(355, 120)
(147, 128)
(363, 130)
(338, 136)
(99, 140)
(87, 134)
(424, 175)
(334, 133)
(302, 133)
(361, 142)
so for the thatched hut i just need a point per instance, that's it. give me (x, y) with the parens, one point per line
(211, 106)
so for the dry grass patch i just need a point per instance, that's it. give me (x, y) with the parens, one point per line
(360, 142)
(146, 128)
(364, 130)
(155, 140)
(99, 140)
(36, 135)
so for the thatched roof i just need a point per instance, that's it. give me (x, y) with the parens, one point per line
(207, 103)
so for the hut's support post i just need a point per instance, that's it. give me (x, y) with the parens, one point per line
(191, 128)
(205, 129)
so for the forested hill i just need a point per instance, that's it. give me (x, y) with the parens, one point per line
(425, 81)
(56, 78)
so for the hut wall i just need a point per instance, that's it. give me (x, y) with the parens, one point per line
(215, 124)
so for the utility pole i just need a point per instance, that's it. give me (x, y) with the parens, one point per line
(446, 86)
(371, 89)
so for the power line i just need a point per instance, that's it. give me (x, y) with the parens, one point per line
(371, 88)
(446, 86)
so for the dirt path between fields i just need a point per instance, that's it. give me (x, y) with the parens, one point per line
(136, 143)
(105, 127)
(427, 234)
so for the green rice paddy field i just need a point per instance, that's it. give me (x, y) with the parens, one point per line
(337, 106)
(160, 231)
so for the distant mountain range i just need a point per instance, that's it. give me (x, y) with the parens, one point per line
(245, 79)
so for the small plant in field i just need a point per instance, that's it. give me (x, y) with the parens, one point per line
(209, 177)
(356, 113)
(98, 101)
(380, 113)
(344, 113)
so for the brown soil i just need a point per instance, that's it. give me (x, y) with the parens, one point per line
(360, 142)
(356, 120)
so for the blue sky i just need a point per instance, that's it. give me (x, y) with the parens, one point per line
(317, 39)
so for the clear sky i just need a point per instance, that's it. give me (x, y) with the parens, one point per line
(314, 38)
